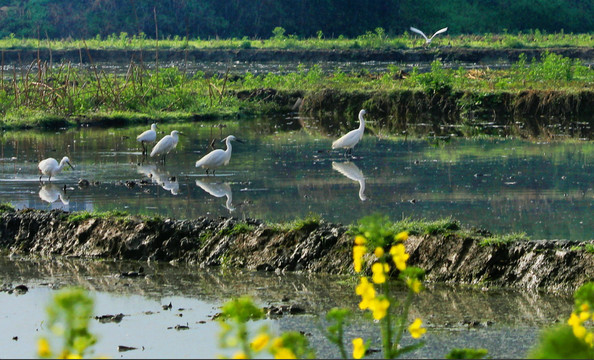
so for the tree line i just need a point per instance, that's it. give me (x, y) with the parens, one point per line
(59, 19)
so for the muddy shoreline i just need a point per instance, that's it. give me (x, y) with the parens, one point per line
(316, 247)
(446, 54)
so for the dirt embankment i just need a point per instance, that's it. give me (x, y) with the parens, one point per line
(315, 247)
(446, 54)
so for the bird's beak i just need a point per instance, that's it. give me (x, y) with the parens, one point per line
(71, 166)
(181, 133)
(239, 140)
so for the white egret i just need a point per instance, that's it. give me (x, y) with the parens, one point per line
(349, 140)
(50, 167)
(351, 171)
(428, 40)
(218, 157)
(166, 144)
(218, 190)
(147, 137)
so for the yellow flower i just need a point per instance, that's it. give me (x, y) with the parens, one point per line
(399, 256)
(358, 348)
(239, 355)
(360, 240)
(379, 252)
(284, 353)
(584, 315)
(579, 331)
(379, 308)
(260, 342)
(589, 339)
(414, 285)
(379, 272)
(76, 356)
(585, 307)
(401, 236)
(358, 252)
(574, 320)
(367, 293)
(277, 343)
(43, 348)
(415, 329)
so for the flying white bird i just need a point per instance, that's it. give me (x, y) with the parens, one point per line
(349, 140)
(147, 137)
(428, 40)
(218, 157)
(50, 167)
(351, 171)
(166, 144)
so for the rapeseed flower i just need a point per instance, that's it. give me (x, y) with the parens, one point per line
(360, 240)
(358, 252)
(574, 320)
(414, 285)
(379, 308)
(284, 353)
(358, 348)
(379, 252)
(367, 293)
(416, 330)
(260, 342)
(43, 348)
(399, 256)
(401, 236)
(240, 355)
(579, 331)
(379, 272)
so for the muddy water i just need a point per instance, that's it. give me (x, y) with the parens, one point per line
(284, 171)
(506, 323)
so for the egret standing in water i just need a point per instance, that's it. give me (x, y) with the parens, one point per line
(428, 40)
(166, 144)
(147, 137)
(349, 140)
(51, 167)
(218, 157)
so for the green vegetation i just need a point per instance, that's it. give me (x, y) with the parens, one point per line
(59, 96)
(240, 228)
(504, 240)
(309, 222)
(80, 216)
(467, 354)
(6, 207)
(416, 227)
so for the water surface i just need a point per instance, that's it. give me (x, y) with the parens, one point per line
(285, 171)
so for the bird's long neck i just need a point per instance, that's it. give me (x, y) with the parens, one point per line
(228, 143)
(361, 122)
(62, 164)
(154, 127)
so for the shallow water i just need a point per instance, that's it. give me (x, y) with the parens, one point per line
(283, 172)
(506, 323)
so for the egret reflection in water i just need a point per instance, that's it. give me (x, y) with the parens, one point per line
(218, 190)
(160, 177)
(51, 193)
(350, 170)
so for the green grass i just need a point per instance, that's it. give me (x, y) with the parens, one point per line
(504, 240)
(377, 39)
(6, 208)
(240, 228)
(80, 216)
(309, 222)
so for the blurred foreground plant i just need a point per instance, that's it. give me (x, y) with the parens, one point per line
(68, 319)
(574, 339)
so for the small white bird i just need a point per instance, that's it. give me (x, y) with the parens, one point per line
(218, 157)
(166, 144)
(351, 171)
(428, 40)
(349, 140)
(50, 167)
(147, 137)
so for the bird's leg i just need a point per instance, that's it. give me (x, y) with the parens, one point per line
(143, 148)
(41, 182)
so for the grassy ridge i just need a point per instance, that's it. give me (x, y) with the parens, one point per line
(370, 40)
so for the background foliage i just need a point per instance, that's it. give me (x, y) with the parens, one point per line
(60, 19)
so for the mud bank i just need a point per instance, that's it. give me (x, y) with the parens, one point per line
(529, 113)
(447, 54)
(316, 247)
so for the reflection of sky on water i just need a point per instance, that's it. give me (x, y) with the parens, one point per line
(502, 185)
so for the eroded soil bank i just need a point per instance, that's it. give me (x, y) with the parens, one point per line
(317, 247)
